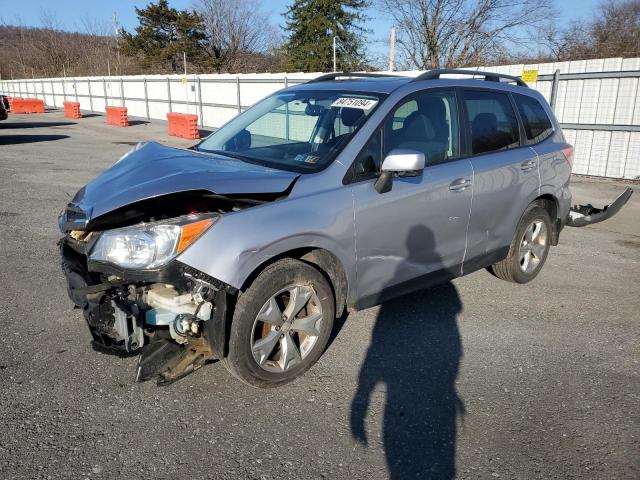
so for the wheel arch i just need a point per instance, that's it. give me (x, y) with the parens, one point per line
(551, 205)
(323, 260)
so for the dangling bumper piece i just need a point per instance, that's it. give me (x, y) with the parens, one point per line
(583, 215)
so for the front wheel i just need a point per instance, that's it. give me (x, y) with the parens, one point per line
(281, 324)
(529, 248)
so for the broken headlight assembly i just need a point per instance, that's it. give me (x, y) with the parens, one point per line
(150, 245)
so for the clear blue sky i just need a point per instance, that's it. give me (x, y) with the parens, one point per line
(71, 13)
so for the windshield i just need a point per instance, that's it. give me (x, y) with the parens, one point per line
(299, 131)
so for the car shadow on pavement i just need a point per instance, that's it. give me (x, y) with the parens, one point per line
(5, 125)
(415, 353)
(18, 139)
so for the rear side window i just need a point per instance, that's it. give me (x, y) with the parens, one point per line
(493, 122)
(536, 123)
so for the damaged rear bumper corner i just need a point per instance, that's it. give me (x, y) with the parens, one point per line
(583, 215)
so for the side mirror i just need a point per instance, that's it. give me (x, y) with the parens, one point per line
(402, 161)
(240, 141)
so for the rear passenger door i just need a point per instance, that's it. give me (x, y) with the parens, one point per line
(505, 173)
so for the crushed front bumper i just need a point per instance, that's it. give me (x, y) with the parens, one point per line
(175, 317)
(583, 215)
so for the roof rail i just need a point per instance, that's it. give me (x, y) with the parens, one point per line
(334, 75)
(488, 76)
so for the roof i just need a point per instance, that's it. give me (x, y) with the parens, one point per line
(366, 84)
(387, 83)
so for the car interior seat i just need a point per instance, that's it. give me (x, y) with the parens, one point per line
(426, 131)
(486, 136)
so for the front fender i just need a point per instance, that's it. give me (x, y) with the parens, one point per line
(243, 241)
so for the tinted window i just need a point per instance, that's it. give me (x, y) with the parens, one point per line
(492, 120)
(426, 123)
(536, 123)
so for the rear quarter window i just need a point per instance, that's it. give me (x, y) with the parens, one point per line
(535, 120)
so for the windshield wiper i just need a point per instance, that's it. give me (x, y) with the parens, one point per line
(225, 153)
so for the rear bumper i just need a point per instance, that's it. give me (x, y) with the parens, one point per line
(583, 215)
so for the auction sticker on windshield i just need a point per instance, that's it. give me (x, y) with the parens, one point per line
(363, 103)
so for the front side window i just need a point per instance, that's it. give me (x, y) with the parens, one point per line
(299, 131)
(402, 112)
(427, 123)
(367, 164)
(535, 120)
(493, 122)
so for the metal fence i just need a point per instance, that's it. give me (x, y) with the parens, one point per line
(596, 102)
(214, 98)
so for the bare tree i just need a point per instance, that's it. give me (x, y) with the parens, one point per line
(561, 43)
(237, 30)
(453, 33)
(616, 29)
(48, 50)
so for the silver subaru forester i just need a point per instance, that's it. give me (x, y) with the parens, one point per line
(336, 194)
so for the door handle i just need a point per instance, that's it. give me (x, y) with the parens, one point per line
(459, 184)
(528, 165)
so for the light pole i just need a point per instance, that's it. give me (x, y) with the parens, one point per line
(392, 49)
(334, 54)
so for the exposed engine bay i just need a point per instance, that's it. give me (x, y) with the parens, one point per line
(174, 316)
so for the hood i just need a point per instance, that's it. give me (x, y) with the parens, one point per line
(151, 170)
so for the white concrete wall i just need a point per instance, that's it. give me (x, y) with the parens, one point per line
(610, 101)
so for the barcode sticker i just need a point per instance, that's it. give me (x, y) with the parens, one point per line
(363, 103)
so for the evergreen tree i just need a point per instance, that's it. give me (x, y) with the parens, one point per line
(312, 24)
(163, 35)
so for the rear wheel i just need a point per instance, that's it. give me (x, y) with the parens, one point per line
(529, 248)
(281, 324)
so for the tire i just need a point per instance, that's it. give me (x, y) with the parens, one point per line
(515, 268)
(255, 325)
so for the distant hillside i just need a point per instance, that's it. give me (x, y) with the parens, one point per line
(40, 52)
(27, 52)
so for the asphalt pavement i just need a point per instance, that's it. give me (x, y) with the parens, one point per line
(476, 378)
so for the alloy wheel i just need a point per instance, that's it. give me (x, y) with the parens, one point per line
(533, 246)
(287, 328)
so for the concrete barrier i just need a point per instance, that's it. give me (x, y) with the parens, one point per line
(117, 116)
(183, 125)
(72, 110)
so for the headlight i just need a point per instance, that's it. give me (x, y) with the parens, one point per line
(149, 245)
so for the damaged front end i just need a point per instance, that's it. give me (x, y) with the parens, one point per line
(123, 234)
(174, 316)
(136, 296)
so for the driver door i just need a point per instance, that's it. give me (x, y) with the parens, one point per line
(414, 235)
